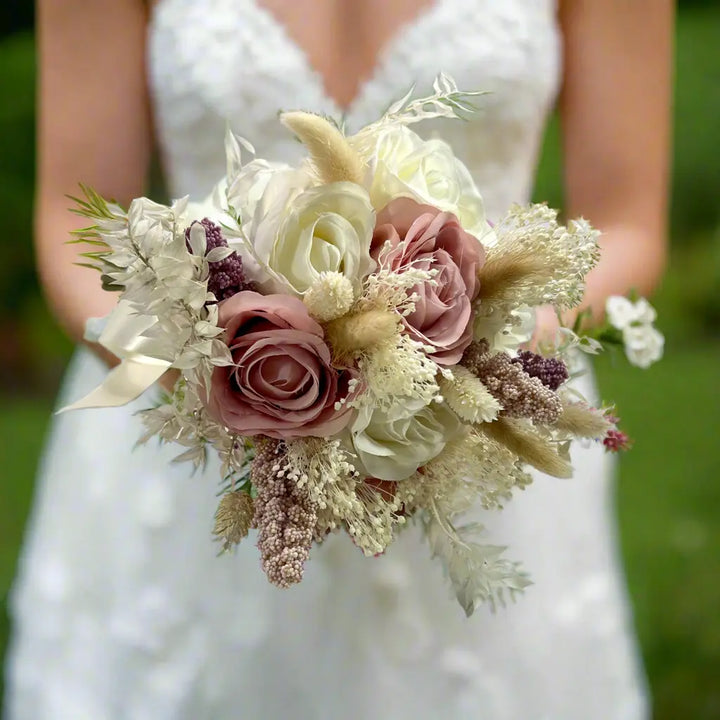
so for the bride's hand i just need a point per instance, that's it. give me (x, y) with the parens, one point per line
(168, 380)
(546, 327)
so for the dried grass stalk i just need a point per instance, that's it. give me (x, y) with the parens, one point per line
(333, 157)
(504, 272)
(528, 446)
(582, 421)
(351, 334)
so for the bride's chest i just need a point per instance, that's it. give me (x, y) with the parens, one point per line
(241, 57)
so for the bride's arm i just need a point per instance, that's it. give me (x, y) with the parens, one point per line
(615, 113)
(93, 127)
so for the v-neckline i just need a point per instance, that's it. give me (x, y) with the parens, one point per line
(426, 14)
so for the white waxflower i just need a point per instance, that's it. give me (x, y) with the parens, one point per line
(392, 445)
(323, 229)
(623, 313)
(405, 165)
(643, 344)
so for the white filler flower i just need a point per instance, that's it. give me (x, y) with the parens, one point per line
(643, 345)
(623, 313)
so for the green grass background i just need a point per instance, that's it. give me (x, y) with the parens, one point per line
(668, 491)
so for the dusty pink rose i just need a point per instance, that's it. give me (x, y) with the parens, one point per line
(282, 384)
(432, 239)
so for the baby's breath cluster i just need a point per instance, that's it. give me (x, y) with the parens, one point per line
(396, 369)
(472, 469)
(322, 470)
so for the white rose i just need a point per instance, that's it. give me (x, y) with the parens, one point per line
(392, 447)
(643, 345)
(323, 229)
(406, 165)
(623, 313)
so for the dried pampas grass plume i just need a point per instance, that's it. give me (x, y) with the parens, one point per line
(352, 334)
(582, 421)
(506, 272)
(528, 446)
(233, 518)
(331, 154)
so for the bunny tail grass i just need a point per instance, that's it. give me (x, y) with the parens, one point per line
(332, 156)
(352, 334)
(504, 272)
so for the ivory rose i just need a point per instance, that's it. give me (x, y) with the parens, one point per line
(392, 446)
(405, 165)
(322, 229)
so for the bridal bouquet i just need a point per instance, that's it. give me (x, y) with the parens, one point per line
(346, 338)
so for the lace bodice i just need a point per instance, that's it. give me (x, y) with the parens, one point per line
(214, 61)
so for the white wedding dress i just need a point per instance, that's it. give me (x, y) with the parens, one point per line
(122, 609)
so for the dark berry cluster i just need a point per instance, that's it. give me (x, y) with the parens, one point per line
(226, 276)
(551, 372)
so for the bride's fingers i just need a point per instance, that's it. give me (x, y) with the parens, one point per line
(546, 327)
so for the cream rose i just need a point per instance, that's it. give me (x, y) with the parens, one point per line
(405, 165)
(323, 229)
(394, 446)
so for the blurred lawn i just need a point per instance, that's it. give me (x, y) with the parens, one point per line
(668, 489)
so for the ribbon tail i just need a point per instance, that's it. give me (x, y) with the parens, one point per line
(123, 383)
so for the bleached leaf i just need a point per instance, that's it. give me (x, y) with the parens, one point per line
(478, 572)
(398, 105)
(197, 239)
(219, 253)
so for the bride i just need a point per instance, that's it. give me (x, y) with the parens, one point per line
(121, 608)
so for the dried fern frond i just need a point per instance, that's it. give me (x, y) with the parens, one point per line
(478, 572)
(233, 518)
